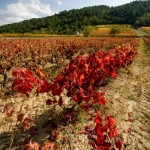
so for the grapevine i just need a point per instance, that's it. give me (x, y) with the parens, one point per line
(82, 78)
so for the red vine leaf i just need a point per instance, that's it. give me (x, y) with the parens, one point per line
(49, 102)
(9, 111)
(20, 117)
(47, 145)
(60, 101)
(31, 146)
(119, 144)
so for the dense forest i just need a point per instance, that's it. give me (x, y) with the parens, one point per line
(136, 13)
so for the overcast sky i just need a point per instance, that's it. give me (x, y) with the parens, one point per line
(17, 10)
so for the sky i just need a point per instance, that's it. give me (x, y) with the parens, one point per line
(18, 10)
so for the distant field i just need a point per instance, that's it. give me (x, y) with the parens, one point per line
(104, 30)
(146, 29)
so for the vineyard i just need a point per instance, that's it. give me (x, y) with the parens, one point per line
(74, 93)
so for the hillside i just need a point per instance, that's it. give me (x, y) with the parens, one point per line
(136, 13)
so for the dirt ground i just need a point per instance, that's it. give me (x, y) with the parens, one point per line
(130, 94)
(131, 97)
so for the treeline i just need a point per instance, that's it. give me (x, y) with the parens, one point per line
(136, 13)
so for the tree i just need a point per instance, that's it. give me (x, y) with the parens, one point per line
(87, 31)
(114, 30)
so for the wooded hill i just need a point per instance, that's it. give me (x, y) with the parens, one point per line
(136, 13)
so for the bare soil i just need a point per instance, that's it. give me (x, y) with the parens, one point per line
(131, 96)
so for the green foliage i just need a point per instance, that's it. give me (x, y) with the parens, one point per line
(87, 31)
(114, 30)
(143, 21)
(68, 22)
